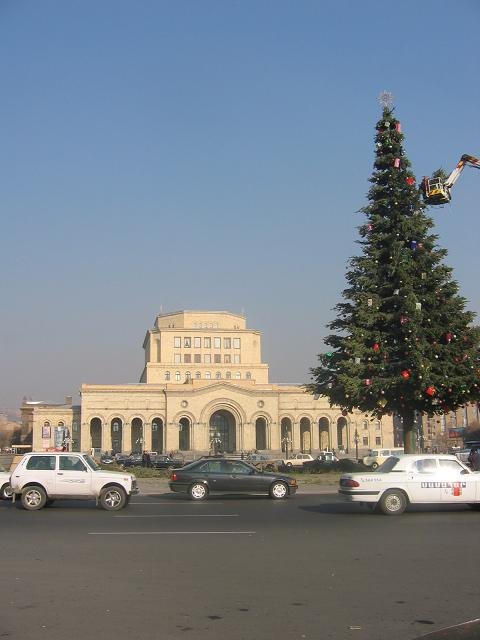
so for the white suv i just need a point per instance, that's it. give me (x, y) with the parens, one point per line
(40, 478)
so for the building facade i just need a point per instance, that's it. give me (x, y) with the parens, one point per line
(204, 387)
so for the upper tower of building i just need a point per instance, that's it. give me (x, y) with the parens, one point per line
(202, 345)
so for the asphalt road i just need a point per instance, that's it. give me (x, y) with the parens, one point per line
(237, 568)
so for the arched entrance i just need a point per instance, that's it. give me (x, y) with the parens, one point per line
(342, 435)
(117, 433)
(222, 432)
(137, 435)
(157, 435)
(96, 433)
(184, 434)
(260, 434)
(305, 435)
(324, 434)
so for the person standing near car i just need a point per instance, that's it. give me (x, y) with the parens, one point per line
(474, 459)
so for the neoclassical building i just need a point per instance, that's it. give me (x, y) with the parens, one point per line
(204, 387)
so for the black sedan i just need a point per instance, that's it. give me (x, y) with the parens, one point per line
(223, 475)
(165, 462)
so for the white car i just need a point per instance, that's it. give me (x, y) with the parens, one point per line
(413, 479)
(5, 489)
(376, 457)
(298, 460)
(41, 478)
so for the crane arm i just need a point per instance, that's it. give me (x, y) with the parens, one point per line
(465, 159)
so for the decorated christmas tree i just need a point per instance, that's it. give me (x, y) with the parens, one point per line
(402, 341)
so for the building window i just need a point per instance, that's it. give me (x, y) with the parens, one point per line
(177, 358)
(365, 425)
(208, 375)
(236, 343)
(197, 343)
(236, 358)
(215, 325)
(217, 343)
(187, 343)
(197, 375)
(167, 375)
(187, 358)
(227, 343)
(228, 375)
(207, 343)
(378, 440)
(365, 441)
(227, 358)
(237, 375)
(217, 358)
(197, 357)
(218, 375)
(177, 342)
(177, 376)
(207, 358)
(188, 375)
(248, 375)
(377, 425)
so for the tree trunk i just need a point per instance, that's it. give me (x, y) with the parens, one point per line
(409, 433)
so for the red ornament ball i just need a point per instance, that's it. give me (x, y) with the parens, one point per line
(405, 374)
(430, 391)
(376, 346)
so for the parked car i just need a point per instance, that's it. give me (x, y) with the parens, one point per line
(413, 479)
(224, 475)
(133, 460)
(41, 478)
(6, 491)
(376, 457)
(106, 458)
(326, 460)
(297, 460)
(161, 461)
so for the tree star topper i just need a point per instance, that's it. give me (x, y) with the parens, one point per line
(386, 99)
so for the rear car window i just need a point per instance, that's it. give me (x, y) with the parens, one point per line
(41, 463)
(71, 463)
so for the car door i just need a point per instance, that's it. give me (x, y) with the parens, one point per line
(214, 473)
(242, 478)
(73, 477)
(458, 485)
(424, 480)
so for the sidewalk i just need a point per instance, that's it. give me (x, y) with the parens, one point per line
(158, 486)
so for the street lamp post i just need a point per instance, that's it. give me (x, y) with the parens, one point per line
(356, 440)
(286, 441)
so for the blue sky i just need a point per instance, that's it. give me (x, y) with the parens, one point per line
(209, 155)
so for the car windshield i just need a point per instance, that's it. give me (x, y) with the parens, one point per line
(91, 463)
(389, 465)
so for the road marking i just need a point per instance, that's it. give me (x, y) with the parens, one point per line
(168, 533)
(185, 515)
(176, 504)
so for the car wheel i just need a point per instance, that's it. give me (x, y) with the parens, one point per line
(374, 466)
(6, 492)
(198, 491)
(289, 466)
(392, 503)
(33, 498)
(113, 498)
(278, 491)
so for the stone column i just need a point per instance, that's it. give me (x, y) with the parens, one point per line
(126, 437)
(274, 443)
(147, 436)
(315, 433)
(85, 443)
(106, 437)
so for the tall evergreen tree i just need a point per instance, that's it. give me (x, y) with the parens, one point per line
(403, 341)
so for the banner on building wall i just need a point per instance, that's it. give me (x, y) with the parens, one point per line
(45, 433)
(456, 433)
